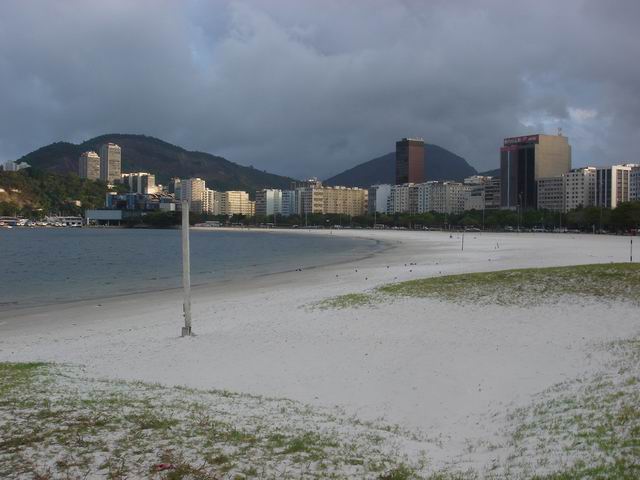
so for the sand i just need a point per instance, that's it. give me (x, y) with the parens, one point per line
(444, 369)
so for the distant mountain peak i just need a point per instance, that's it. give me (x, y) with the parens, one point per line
(440, 164)
(150, 154)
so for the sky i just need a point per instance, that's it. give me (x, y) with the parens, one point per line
(312, 87)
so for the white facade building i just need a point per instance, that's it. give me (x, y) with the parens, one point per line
(399, 198)
(269, 202)
(612, 185)
(379, 198)
(579, 188)
(634, 181)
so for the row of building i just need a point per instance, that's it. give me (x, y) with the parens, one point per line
(605, 187)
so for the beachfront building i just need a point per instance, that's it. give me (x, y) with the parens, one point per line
(110, 162)
(316, 198)
(475, 192)
(236, 202)
(634, 184)
(400, 196)
(140, 182)
(445, 197)
(579, 188)
(613, 185)
(212, 202)
(410, 161)
(492, 194)
(551, 194)
(269, 202)
(193, 191)
(378, 198)
(524, 160)
(89, 166)
(289, 203)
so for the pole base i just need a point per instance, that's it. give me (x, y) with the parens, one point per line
(186, 331)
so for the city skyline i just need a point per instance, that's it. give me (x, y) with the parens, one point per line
(313, 59)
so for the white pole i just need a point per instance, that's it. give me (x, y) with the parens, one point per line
(186, 270)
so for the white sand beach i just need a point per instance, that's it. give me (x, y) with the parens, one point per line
(446, 369)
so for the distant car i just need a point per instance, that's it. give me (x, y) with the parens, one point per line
(473, 229)
(538, 230)
(508, 228)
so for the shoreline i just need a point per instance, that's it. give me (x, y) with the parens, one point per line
(421, 363)
(246, 279)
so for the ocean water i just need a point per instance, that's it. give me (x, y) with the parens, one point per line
(46, 266)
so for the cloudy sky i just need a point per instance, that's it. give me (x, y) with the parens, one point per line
(311, 87)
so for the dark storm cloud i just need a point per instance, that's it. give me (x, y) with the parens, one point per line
(312, 87)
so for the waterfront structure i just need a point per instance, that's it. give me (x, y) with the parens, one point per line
(236, 203)
(110, 162)
(445, 197)
(193, 191)
(378, 198)
(89, 166)
(400, 196)
(551, 194)
(579, 188)
(492, 194)
(475, 192)
(316, 198)
(140, 182)
(410, 161)
(634, 187)
(524, 160)
(212, 201)
(289, 203)
(269, 202)
(613, 185)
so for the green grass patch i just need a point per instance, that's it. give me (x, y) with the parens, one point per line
(518, 287)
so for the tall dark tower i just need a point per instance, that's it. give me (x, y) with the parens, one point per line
(409, 161)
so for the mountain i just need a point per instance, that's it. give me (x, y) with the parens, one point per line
(141, 153)
(491, 173)
(439, 164)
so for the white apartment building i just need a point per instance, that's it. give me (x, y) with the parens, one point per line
(475, 192)
(110, 162)
(446, 197)
(289, 202)
(612, 185)
(399, 200)
(11, 166)
(378, 198)
(89, 166)
(212, 201)
(551, 193)
(269, 202)
(579, 188)
(634, 187)
(193, 191)
(140, 182)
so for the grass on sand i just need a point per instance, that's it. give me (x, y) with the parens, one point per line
(519, 287)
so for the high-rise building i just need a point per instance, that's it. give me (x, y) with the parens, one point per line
(89, 166)
(492, 194)
(236, 203)
(110, 162)
(400, 197)
(193, 191)
(269, 202)
(316, 198)
(289, 202)
(579, 188)
(140, 182)
(410, 161)
(613, 185)
(551, 194)
(474, 194)
(212, 201)
(634, 187)
(523, 160)
(378, 198)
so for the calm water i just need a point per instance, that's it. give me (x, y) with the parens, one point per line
(43, 266)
